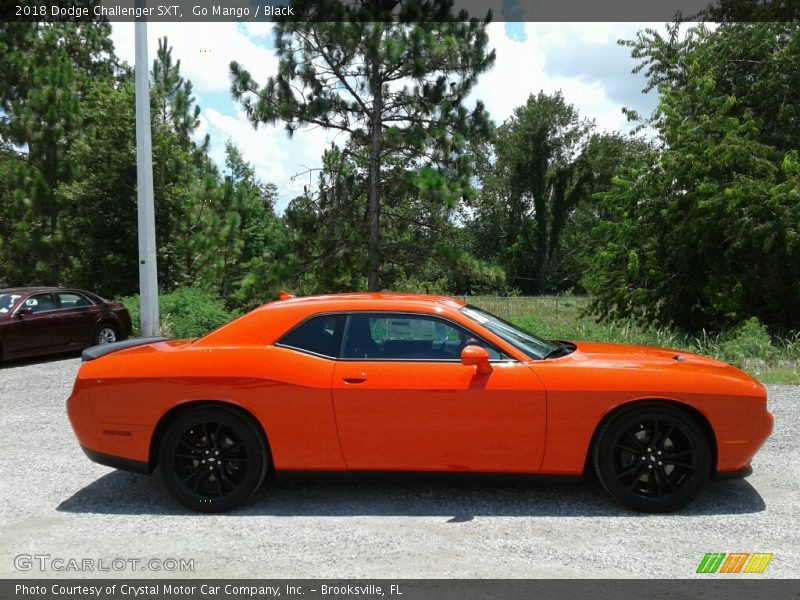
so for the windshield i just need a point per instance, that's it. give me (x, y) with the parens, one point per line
(519, 338)
(7, 302)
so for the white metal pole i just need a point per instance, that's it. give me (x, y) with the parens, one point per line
(148, 278)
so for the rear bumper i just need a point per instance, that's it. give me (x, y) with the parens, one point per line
(117, 462)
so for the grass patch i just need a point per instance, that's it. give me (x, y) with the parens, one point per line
(748, 346)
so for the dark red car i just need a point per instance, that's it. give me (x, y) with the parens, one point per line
(35, 321)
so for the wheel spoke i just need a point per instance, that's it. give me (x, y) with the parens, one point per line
(671, 455)
(635, 439)
(215, 438)
(227, 451)
(666, 478)
(665, 437)
(189, 456)
(634, 469)
(627, 448)
(192, 449)
(636, 477)
(682, 465)
(657, 482)
(654, 436)
(228, 479)
(200, 479)
(192, 474)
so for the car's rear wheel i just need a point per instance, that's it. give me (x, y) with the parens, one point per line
(212, 459)
(653, 458)
(105, 333)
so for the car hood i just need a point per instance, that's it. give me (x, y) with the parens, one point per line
(663, 366)
(621, 355)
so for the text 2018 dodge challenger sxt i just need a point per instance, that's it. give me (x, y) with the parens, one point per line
(391, 382)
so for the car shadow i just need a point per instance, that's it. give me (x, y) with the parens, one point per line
(459, 499)
(38, 360)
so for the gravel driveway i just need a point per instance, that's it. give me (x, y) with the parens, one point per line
(54, 501)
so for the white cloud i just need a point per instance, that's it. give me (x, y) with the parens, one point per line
(205, 49)
(275, 157)
(520, 70)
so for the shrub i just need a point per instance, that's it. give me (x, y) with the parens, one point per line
(748, 342)
(185, 313)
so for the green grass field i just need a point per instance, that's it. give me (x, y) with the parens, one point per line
(749, 347)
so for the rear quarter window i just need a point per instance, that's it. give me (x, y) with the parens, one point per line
(320, 335)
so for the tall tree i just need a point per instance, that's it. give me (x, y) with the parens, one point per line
(704, 229)
(534, 175)
(185, 181)
(392, 74)
(176, 104)
(45, 71)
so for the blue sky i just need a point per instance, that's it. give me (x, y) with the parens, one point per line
(581, 59)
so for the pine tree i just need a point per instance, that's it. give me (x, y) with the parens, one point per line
(393, 75)
(45, 71)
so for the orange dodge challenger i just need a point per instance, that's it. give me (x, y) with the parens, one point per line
(397, 382)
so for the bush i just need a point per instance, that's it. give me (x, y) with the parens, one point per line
(749, 342)
(185, 313)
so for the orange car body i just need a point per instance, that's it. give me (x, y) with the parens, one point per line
(322, 414)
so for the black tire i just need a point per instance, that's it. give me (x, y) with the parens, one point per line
(226, 442)
(653, 458)
(105, 333)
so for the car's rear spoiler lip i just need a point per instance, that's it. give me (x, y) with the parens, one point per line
(103, 349)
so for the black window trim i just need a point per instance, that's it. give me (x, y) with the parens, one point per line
(350, 313)
(74, 293)
(39, 312)
(54, 293)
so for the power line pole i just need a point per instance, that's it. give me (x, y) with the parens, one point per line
(148, 276)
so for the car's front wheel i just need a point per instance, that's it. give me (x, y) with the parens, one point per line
(212, 459)
(652, 458)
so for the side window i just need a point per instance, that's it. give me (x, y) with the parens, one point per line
(72, 300)
(407, 337)
(319, 335)
(41, 303)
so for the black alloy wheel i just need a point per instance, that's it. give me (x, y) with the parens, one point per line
(212, 459)
(652, 458)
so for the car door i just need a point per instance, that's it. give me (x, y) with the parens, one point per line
(36, 332)
(404, 401)
(77, 318)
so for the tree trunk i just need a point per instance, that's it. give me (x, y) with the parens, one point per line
(541, 244)
(373, 210)
(51, 178)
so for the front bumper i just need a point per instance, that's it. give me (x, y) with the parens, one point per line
(740, 474)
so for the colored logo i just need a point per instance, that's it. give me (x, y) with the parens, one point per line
(734, 562)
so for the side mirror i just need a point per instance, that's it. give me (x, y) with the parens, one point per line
(25, 310)
(477, 356)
